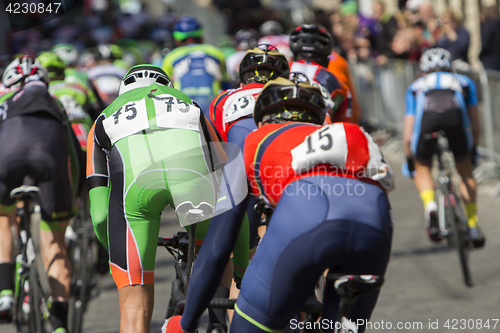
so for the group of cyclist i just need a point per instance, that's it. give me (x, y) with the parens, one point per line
(155, 136)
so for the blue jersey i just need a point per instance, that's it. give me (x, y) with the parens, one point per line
(463, 86)
(198, 71)
(436, 100)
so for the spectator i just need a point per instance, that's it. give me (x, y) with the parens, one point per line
(490, 38)
(431, 25)
(454, 37)
(386, 28)
(363, 29)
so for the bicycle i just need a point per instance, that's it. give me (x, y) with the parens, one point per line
(349, 287)
(32, 304)
(451, 216)
(81, 246)
(182, 247)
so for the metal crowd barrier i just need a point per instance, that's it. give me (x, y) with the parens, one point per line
(381, 93)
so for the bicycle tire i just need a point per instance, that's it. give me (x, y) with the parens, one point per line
(443, 213)
(459, 227)
(79, 285)
(35, 295)
(22, 317)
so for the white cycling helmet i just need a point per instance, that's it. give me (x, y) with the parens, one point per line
(21, 68)
(67, 52)
(435, 58)
(142, 76)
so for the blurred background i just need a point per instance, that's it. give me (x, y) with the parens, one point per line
(382, 40)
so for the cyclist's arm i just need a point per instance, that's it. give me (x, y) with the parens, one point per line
(409, 121)
(472, 111)
(97, 180)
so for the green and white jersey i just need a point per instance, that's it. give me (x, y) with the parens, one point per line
(75, 100)
(151, 147)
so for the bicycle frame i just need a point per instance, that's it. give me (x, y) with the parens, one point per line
(451, 216)
(27, 282)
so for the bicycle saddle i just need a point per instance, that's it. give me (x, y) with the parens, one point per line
(355, 284)
(25, 191)
(195, 213)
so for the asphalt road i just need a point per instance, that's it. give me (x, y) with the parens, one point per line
(423, 292)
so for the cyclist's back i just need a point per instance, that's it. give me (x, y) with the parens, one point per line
(440, 101)
(311, 45)
(197, 69)
(78, 101)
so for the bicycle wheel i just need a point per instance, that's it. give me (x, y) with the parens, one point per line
(460, 237)
(38, 311)
(79, 256)
(24, 304)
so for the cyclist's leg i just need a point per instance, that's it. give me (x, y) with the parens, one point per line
(460, 140)
(133, 233)
(135, 207)
(48, 156)
(7, 219)
(422, 151)
(9, 179)
(154, 175)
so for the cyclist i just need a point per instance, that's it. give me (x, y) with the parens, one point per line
(77, 102)
(273, 33)
(198, 70)
(442, 100)
(340, 67)
(293, 164)
(311, 46)
(108, 70)
(232, 111)
(132, 175)
(69, 55)
(245, 39)
(36, 141)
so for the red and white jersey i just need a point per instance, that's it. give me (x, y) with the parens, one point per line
(335, 92)
(281, 42)
(232, 105)
(278, 154)
(233, 64)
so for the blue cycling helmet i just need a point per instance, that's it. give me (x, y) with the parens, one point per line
(187, 27)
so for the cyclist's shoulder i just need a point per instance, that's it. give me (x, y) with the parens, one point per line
(149, 92)
(281, 129)
(464, 80)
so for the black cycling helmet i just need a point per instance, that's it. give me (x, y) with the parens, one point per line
(286, 100)
(311, 41)
(246, 39)
(264, 56)
(270, 28)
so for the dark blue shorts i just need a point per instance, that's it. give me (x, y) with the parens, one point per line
(320, 222)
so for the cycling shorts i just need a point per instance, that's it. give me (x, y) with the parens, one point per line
(36, 146)
(147, 173)
(442, 112)
(320, 223)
